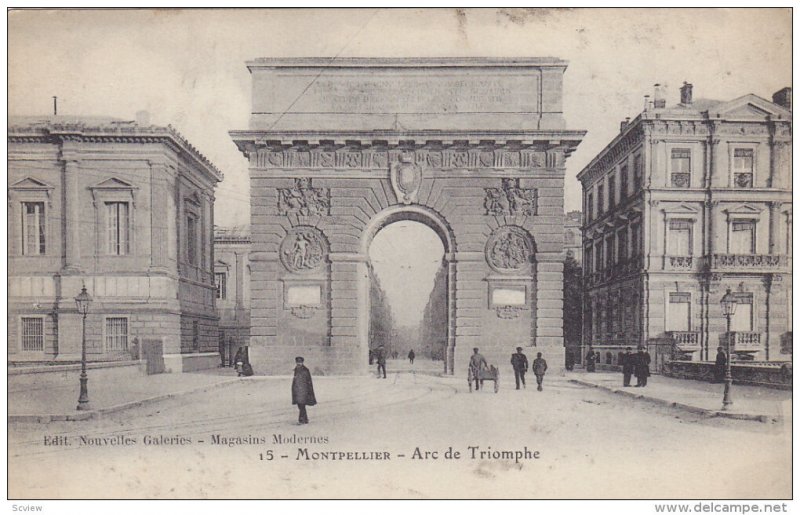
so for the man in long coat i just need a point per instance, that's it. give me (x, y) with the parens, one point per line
(590, 360)
(380, 357)
(627, 367)
(642, 367)
(520, 363)
(719, 365)
(302, 389)
(539, 368)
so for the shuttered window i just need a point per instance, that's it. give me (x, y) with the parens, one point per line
(116, 333)
(32, 334)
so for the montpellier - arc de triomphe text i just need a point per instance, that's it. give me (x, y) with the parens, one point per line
(474, 148)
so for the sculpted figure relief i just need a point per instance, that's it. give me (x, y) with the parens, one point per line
(510, 199)
(303, 200)
(302, 251)
(509, 248)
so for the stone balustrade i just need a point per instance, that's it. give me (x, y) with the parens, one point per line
(742, 340)
(746, 262)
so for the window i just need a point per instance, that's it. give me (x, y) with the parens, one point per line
(743, 168)
(590, 206)
(117, 216)
(609, 251)
(635, 240)
(588, 257)
(742, 319)
(598, 256)
(191, 239)
(681, 167)
(32, 334)
(116, 334)
(600, 200)
(637, 172)
(679, 239)
(678, 318)
(222, 284)
(623, 183)
(33, 228)
(743, 237)
(622, 244)
(612, 184)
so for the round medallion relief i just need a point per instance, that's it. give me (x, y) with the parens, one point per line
(302, 250)
(509, 249)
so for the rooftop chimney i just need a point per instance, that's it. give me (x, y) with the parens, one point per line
(646, 102)
(783, 98)
(686, 94)
(624, 124)
(659, 102)
(143, 118)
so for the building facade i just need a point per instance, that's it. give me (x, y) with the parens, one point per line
(473, 148)
(126, 209)
(573, 244)
(688, 201)
(232, 278)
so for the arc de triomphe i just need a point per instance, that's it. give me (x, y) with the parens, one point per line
(339, 148)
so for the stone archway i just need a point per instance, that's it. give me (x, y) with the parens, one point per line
(473, 148)
(438, 225)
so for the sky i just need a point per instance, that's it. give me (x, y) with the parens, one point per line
(187, 68)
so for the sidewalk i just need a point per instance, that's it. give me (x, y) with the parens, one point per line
(59, 402)
(749, 402)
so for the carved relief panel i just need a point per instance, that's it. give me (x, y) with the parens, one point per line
(303, 199)
(510, 199)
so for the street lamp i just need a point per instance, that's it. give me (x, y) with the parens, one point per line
(728, 304)
(82, 301)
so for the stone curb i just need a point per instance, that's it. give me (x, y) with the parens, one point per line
(93, 414)
(685, 407)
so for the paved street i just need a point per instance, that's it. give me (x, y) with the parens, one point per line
(591, 443)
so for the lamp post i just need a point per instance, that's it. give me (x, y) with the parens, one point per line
(82, 301)
(728, 304)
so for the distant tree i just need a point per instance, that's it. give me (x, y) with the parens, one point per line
(433, 327)
(381, 322)
(573, 302)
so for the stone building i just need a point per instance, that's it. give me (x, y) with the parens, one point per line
(232, 278)
(126, 209)
(473, 148)
(688, 200)
(573, 244)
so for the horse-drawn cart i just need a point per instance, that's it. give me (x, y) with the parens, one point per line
(492, 373)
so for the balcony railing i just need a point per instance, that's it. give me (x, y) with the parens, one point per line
(678, 262)
(746, 261)
(741, 341)
(685, 339)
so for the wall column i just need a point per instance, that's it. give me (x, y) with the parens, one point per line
(72, 233)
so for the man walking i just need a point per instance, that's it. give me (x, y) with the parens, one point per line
(590, 359)
(539, 368)
(411, 356)
(380, 357)
(476, 364)
(520, 363)
(719, 365)
(642, 367)
(302, 389)
(627, 367)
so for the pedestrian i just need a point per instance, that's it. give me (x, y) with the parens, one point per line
(590, 359)
(238, 361)
(642, 367)
(520, 363)
(371, 357)
(411, 356)
(627, 367)
(719, 365)
(302, 389)
(380, 358)
(569, 360)
(476, 364)
(539, 368)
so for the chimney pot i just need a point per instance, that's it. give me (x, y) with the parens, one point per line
(686, 94)
(783, 98)
(659, 102)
